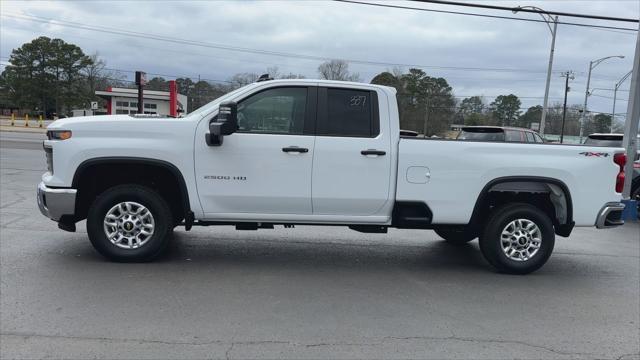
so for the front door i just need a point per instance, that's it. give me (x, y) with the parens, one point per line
(265, 167)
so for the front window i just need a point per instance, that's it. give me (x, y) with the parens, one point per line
(274, 111)
(530, 137)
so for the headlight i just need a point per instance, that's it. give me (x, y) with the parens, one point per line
(59, 134)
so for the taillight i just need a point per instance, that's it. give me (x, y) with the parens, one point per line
(620, 160)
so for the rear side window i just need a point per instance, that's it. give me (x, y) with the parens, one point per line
(538, 138)
(347, 112)
(512, 136)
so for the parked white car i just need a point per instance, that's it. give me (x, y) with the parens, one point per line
(287, 152)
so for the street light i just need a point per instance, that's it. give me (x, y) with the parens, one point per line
(548, 20)
(615, 92)
(592, 65)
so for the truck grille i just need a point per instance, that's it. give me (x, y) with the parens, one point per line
(48, 151)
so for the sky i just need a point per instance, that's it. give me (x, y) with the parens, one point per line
(477, 56)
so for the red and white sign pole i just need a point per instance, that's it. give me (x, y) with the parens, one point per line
(141, 80)
(173, 99)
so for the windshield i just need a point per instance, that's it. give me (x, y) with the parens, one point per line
(209, 107)
(492, 135)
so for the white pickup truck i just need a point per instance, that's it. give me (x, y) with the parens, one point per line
(314, 152)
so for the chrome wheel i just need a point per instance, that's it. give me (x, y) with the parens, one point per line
(521, 239)
(128, 225)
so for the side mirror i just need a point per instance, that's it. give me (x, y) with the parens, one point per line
(226, 123)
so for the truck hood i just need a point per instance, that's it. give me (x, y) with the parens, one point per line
(125, 126)
(82, 121)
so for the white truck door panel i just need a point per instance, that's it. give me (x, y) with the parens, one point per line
(265, 167)
(352, 157)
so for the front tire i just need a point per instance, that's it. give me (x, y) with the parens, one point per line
(129, 223)
(518, 238)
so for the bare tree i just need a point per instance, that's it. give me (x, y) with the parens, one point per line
(242, 79)
(94, 73)
(275, 73)
(337, 70)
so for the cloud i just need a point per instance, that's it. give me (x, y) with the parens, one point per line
(348, 31)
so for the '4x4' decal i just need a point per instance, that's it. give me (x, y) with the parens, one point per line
(596, 154)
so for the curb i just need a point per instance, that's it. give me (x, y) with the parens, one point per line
(22, 129)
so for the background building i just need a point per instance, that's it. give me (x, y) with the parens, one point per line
(125, 101)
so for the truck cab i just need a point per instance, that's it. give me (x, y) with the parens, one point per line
(303, 152)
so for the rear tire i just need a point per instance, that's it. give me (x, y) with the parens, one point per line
(518, 238)
(456, 236)
(129, 223)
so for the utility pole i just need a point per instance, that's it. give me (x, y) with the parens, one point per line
(548, 19)
(426, 113)
(426, 118)
(630, 139)
(567, 75)
(545, 106)
(141, 80)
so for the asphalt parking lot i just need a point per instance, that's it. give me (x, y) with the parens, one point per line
(308, 292)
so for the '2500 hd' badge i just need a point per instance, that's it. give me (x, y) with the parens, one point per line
(225, 177)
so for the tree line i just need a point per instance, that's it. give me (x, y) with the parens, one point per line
(52, 77)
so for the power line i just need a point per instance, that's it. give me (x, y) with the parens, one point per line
(250, 50)
(518, 8)
(171, 76)
(608, 97)
(603, 27)
(226, 81)
(457, 96)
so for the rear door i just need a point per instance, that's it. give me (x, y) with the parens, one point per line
(352, 156)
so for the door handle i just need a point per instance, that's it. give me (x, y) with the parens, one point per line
(294, 149)
(372, 152)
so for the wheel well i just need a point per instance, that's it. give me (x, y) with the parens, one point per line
(549, 195)
(95, 176)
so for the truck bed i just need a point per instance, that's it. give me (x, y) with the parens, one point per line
(449, 175)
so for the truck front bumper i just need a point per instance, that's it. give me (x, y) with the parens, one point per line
(610, 215)
(54, 203)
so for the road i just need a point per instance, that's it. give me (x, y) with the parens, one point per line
(308, 292)
(21, 140)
